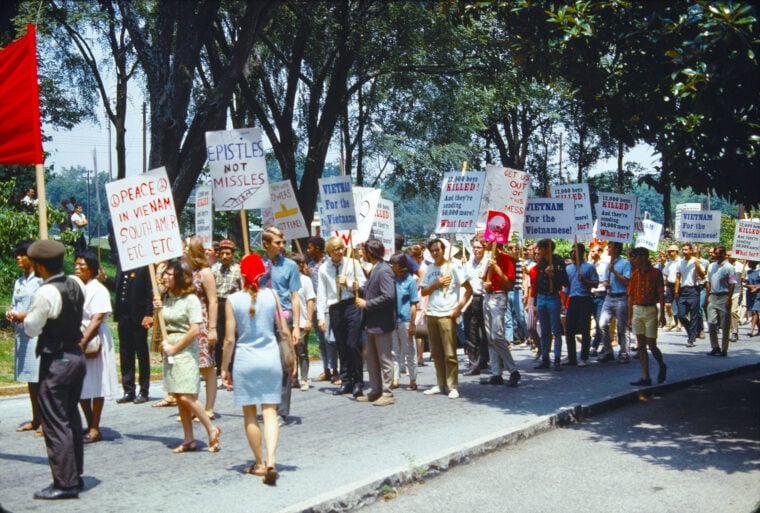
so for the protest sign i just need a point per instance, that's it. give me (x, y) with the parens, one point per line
(204, 215)
(680, 209)
(549, 218)
(497, 227)
(459, 205)
(145, 222)
(649, 237)
(747, 239)
(238, 169)
(365, 199)
(579, 193)
(616, 215)
(337, 210)
(701, 226)
(383, 227)
(285, 211)
(505, 190)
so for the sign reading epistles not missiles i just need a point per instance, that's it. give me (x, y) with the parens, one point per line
(680, 209)
(144, 219)
(552, 218)
(616, 216)
(238, 169)
(506, 190)
(287, 215)
(747, 239)
(383, 227)
(204, 215)
(337, 199)
(578, 192)
(649, 237)
(701, 226)
(459, 205)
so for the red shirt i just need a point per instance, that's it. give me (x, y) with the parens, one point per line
(645, 288)
(507, 266)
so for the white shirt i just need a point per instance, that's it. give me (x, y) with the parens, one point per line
(474, 273)
(305, 295)
(670, 270)
(46, 304)
(440, 304)
(327, 294)
(688, 270)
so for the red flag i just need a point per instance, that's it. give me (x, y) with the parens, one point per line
(20, 127)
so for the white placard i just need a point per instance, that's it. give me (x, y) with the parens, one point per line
(549, 218)
(616, 215)
(337, 210)
(144, 219)
(507, 191)
(700, 226)
(365, 200)
(285, 211)
(459, 204)
(747, 239)
(649, 237)
(383, 227)
(204, 215)
(238, 169)
(579, 193)
(680, 209)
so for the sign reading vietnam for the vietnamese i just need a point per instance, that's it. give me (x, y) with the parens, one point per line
(204, 215)
(337, 212)
(700, 226)
(680, 209)
(747, 239)
(460, 202)
(238, 169)
(287, 215)
(506, 190)
(578, 192)
(145, 222)
(549, 218)
(616, 216)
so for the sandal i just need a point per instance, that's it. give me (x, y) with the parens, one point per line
(26, 426)
(257, 469)
(188, 447)
(165, 402)
(39, 433)
(270, 478)
(412, 387)
(213, 443)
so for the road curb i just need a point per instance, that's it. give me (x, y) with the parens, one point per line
(367, 491)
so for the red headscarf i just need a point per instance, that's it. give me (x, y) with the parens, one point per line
(252, 268)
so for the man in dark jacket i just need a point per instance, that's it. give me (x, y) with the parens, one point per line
(378, 303)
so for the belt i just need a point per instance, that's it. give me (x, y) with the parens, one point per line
(341, 303)
(718, 293)
(652, 304)
(617, 294)
(688, 287)
(495, 292)
(555, 294)
(599, 294)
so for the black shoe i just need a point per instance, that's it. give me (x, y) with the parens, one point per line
(514, 379)
(593, 352)
(344, 389)
(724, 353)
(571, 363)
(51, 493)
(662, 374)
(714, 352)
(606, 357)
(142, 398)
(642, 383)
(358, 390)
(493, 380)
(472, 371)
(126, 398)
(543, 365)
(558, 365)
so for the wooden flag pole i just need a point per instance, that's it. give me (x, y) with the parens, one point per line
(244, 226)
(159, 314)
(298, 247)
(492, 257)
(39, 174)
(577, 257)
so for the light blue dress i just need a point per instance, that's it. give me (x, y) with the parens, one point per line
(257, 371)
(25, 362)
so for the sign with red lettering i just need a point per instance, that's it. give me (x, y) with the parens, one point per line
(383, 227)
(616, 216)
(285, 212)
(204, 215)
(458, 208)
(497, 227)
(238, 169)
(506, 190)
(579, 193)
(144, 219)
(747, 239)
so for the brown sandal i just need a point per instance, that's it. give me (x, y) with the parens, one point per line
(256, 469)
(412, 387)
(270, 478)
(26, 426)
(165, 402)
(213, 443)
(188, 447)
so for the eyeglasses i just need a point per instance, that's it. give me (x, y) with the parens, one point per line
(168, 273)
(80, 264)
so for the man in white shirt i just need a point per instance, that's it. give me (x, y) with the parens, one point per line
(670, 272)
(78, 223)
(721, 282)
(474, 327)
(690, 271)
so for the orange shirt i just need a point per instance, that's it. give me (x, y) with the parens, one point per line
(645, 289)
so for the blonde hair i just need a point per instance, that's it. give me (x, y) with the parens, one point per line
(333, 243)
(271, 233)
(196, 252)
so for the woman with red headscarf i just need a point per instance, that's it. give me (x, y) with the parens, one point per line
(257, 370)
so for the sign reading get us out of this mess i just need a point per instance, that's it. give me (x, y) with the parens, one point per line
(238, 169)
(145, 222)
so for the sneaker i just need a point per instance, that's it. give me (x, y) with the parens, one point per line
(690, 343)
(384, 400)
(304, 386)
(701, 334)
(734, 337)
(454, 394)
(624, 358)
(582, 363)
(432, 391)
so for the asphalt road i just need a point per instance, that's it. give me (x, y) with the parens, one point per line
(693, 450)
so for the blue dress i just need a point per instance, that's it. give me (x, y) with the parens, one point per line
(257, 372)
(25, 362)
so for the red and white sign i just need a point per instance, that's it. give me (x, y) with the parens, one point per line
(506, 190)
(204, 215)
(497, 227)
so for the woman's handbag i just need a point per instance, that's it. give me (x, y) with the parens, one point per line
(93, 347)
(287, 355)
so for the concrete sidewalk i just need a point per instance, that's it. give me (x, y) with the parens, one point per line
(335, 454)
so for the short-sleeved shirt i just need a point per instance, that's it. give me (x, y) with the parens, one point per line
(474, 271)
(304, 295)
(406, 296)
(578, 288)
(671, 269)
(621, 266)
(721, 276)
(442, 304)
(645, 288)
(507, 266)
(688, 270)
(285, 278)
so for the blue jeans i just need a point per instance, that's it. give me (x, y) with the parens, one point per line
(514, 317)
(597, 313)
(327, 350)
(549, 310)
(615, 307)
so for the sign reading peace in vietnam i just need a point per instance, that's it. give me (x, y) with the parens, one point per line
(144, 219)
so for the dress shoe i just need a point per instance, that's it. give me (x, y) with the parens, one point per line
(641, 383)
(593, 352)
(367, 398)
(543, 365)
(724, 353)
(714, 352)
(662, 375)
(344, 389)
(606, 357)
(325, 376)
(734, 337)
(142, 398)
(91, 439)
(472, 371)
(51, 493)
(358, 390)
(384, 400)
(126, 398)
(557, 364)
(493, 380)
(514, 379)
